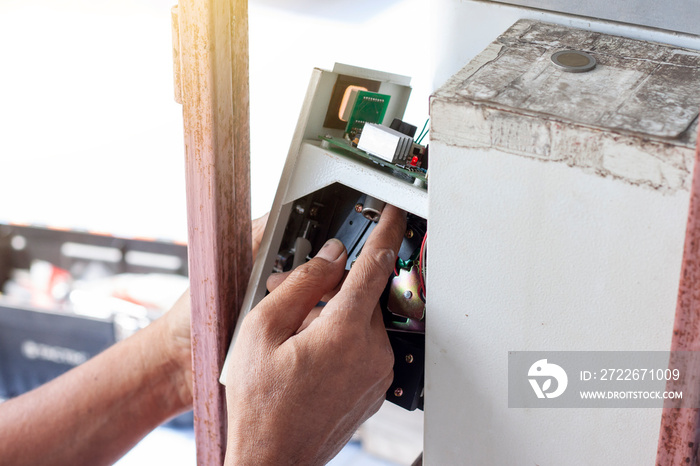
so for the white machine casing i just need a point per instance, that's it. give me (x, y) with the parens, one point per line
(310, 167)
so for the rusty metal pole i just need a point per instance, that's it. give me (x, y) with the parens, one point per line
(213, 62)
(678, 438)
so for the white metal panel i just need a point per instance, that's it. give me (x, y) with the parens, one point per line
(317, 168)
(310, 167)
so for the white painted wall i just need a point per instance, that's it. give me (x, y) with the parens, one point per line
(533, 255)
(91, 135)
(539, 256)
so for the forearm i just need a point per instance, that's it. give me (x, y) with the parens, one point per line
(99, 410)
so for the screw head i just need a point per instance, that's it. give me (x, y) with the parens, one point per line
(409, 233)
(299, 209)
(409, 358)
(358, 208)
(407, 294)
(398, 392)
(573, 61)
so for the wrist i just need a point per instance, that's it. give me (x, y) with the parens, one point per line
(168, 366)
(179, 367)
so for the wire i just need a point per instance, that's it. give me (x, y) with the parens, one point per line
(422, 130)
(421, 135)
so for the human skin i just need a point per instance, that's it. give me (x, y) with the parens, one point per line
(99, 410)
(299, 386)
(301, 381)
(96, 412)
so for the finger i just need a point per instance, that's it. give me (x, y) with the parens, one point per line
(376, 406)
(276, 279)
(381, 337)
(379, 330)
(257, 230)
(282, 312)
(368, 277)
(315, 312)
(385, 384)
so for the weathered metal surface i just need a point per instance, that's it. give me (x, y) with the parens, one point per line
(214, 79)
(679, 435)
(633, 117)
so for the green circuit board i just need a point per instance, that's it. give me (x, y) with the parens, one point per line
(369, 107)
(347, 148)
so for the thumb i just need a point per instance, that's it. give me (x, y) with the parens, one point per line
(283, 311)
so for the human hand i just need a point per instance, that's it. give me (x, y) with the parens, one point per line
(258, 228)
(276, 279)
(99, 410)
(295, 395)
(175, 328)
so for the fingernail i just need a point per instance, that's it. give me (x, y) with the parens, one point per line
(331, 250)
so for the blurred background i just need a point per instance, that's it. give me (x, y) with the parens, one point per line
(91, 148)
(91, 135)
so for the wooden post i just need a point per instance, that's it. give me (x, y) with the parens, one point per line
(213, 52)
(678, 438)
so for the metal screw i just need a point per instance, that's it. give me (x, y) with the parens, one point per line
(299, 209)
(358, 208)
(409, 233)
(398, 392)
(314, 211)
(409, 358)
(407, 294)
(573, 61)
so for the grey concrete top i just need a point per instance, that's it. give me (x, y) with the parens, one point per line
(637, 107)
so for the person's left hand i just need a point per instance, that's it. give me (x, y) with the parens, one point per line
(175, 325)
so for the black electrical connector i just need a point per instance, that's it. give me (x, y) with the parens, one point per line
(403, 127)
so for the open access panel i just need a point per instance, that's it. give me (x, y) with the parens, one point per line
(350, 155)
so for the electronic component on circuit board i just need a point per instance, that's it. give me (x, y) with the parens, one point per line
(386, 143)
(368, 107)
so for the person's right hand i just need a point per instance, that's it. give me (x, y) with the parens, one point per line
(296, 396)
